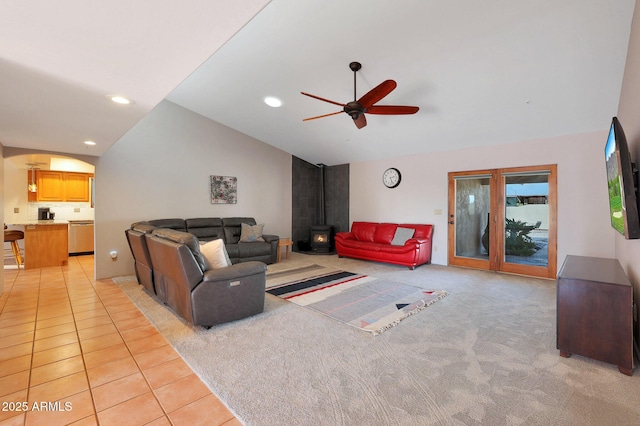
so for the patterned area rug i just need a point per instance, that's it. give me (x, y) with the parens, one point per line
(365, 302)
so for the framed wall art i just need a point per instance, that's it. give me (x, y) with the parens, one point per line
(224, 190)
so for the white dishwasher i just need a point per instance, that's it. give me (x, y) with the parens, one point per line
(80, 237)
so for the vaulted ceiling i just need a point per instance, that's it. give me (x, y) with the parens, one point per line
(482, 73)
(60, 60)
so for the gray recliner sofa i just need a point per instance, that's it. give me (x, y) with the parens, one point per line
(139, 250)
(229, 230)
(202, 297)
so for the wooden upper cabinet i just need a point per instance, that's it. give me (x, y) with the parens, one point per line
(76, 187)
(50, 185)
(60, 186)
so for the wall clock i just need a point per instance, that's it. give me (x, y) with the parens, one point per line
(391, 177)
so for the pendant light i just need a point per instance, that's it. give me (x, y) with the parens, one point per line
(32, 185)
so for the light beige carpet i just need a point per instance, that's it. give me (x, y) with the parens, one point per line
(485, 357)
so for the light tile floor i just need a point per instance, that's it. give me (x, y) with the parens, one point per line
(78, 351)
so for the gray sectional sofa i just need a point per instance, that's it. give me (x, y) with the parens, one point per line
(229, 229)
(168, 263)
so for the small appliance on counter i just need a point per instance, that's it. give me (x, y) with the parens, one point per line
(45, 214)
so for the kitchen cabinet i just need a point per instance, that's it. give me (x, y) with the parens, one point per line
(46, 244)
(60, 186)
(76, 187)
(50, 185)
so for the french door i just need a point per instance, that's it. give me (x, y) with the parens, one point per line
(504, 220)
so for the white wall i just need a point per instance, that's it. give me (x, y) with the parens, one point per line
(15, 193)
(583, 215)
(628, 251)
(161, 169)
(530, 213)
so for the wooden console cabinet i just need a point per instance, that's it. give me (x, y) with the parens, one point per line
(595, 311)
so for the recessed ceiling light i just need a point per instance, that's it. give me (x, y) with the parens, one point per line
(89, 143)
(273, 101)
(119, 99)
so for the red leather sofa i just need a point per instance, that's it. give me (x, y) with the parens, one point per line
(373, 241)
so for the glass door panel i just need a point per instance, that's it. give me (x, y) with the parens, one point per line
(469, 219)
(528, 217)
(526, 213)
(504, 220)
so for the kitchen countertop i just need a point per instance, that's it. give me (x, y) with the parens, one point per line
(40, 222)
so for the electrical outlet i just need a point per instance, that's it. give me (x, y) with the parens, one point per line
(16, 209)
(76, 209)
(437, 212)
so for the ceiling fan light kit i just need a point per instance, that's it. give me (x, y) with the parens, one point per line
(366, 104)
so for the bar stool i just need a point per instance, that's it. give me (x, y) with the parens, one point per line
(12, 236)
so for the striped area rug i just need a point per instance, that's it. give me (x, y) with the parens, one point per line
(362, 301)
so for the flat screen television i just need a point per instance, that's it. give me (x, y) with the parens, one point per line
(622, 183)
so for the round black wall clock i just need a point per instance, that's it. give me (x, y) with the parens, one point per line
(391, 177)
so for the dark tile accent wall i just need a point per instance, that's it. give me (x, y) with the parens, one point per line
(306, 196)
(336, 198)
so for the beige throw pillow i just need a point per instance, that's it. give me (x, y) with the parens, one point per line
(250, 234)
(215, 254)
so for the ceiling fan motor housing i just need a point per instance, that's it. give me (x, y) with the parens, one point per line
(354, 109)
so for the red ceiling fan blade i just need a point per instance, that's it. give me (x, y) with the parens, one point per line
(392, 109)
(361, 121)
(377, 93)
(322, 99)
(356, 108)
(322, 116)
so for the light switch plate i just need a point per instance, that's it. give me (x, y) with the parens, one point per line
(16, 209)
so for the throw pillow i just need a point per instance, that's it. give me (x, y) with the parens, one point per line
(215, 254)
(250, 234)
(402, 235)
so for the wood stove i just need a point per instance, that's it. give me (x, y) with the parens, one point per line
(321, 238)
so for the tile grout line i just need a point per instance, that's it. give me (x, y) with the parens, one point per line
(77, 287)
(40, 290)
(11, 290)
(84, 364)
(33, 343)
(210, 391)
(153, 390)
(166, 415)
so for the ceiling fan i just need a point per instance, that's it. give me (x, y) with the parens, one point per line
(366, 104)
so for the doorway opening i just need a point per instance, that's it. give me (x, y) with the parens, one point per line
(55, 188)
